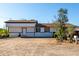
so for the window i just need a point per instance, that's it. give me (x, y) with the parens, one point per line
(42, 29)
(38, 29)
(47, 29)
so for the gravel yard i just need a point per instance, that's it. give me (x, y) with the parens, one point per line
(36, 47)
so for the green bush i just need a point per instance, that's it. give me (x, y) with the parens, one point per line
(3, 33)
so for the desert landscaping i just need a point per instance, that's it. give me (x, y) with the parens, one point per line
(36, 47)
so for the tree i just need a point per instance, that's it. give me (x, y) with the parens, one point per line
(70, 31)
(60, 24)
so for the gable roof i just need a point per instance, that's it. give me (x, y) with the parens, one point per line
(21, 21)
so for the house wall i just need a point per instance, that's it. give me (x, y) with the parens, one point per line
(20, 24)
(28, 34)
(38, 34)
(15, 29)
(13, 34)
(30, 29)
(43, 34)
(52, 30)
(26, 30)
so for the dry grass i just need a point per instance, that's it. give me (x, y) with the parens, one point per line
(36, 47)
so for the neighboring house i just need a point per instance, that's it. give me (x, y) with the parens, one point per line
(76, 30)
(29, 28)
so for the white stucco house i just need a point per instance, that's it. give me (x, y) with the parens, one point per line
(29, 28)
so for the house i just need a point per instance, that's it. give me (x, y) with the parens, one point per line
(29, 28)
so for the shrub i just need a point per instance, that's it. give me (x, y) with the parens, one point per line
(3, 33)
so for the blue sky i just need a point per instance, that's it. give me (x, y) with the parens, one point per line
(43, 12)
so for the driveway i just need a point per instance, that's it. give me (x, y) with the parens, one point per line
(36, 47)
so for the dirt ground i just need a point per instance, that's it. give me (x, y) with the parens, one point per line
(36, 47)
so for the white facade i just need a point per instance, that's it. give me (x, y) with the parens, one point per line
(28, 30)
(15, 29)
(13, 34)
(20, 24)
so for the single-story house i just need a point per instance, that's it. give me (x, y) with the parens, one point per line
(30, 28)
